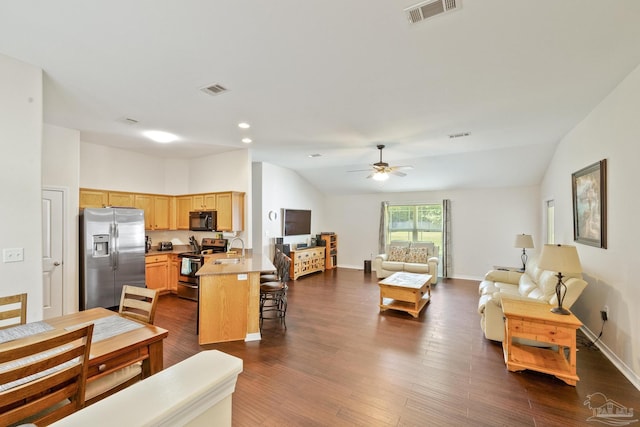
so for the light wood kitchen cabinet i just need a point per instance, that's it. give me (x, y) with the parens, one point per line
(145, 202)
(161, 212)
(156, 211)
(183, 207)
(157, 272)
(93, 198)
(230, 208)
(121, 199)
(174, 272)
(170, 212)
(204, 202)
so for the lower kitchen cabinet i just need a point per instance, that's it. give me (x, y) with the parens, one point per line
(157, 272)
(174, 272)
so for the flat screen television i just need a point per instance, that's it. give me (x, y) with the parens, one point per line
(296, 222)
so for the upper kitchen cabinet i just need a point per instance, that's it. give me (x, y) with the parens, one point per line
(120, 199)
(156, 211)
(183, 207)
(145, 202)
(230, 208)
(204, 202)
(93, 198)
(161, 212)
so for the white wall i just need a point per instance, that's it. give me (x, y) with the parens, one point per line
(111, 168)
(21, 177)
(610, 131)
(61, 170)
(230, 171)
(484, 225)
(282, 188)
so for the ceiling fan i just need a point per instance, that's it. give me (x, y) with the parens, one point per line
(382, 170)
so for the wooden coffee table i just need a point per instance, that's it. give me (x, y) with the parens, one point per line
(408, 292)
(535, 321)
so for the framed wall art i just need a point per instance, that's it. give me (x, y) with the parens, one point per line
(589, 187)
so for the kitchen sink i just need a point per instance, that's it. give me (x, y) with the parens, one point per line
(227, 261)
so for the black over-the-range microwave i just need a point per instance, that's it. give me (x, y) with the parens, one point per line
(202, 221)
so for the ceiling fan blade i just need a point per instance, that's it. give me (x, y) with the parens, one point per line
(396, 173)
(361, 170)
(407, 167)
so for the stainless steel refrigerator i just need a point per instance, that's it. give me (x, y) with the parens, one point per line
(112, 244)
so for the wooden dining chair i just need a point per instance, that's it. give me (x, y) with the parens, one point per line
(138, 303)
(135, 303)
(10, 315)
(43, 380)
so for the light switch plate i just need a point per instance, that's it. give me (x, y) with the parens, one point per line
(13, 255)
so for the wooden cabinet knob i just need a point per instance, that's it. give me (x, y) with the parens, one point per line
(102, 367)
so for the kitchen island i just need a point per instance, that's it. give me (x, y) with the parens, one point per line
(229, 308)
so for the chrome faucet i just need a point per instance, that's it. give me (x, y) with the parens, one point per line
(231, 243)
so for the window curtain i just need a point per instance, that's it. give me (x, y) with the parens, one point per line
(382, 238)
(446, 239)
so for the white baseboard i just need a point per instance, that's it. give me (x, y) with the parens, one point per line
(255, 336)
(613, 358)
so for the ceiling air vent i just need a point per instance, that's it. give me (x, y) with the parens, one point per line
(128, 120)
(214, 90)
(429, 9)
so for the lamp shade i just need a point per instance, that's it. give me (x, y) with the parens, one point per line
(561, 258)
(523, 241)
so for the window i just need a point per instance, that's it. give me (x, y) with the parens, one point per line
(415, 223)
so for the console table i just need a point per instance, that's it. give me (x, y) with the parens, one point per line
(534, 321)
(306, 261)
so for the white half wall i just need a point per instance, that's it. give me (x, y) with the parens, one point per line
(21, 175)
(610, 131)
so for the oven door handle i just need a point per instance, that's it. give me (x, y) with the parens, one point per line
(188, 285)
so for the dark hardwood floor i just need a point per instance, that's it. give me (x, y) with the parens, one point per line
(341, 362)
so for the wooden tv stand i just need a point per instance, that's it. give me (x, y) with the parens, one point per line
(306, 261)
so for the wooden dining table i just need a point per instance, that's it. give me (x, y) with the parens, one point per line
(127, 342)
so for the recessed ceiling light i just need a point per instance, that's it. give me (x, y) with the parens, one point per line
(160, 136)
(315, 155)
(244, 125)
(246, 140)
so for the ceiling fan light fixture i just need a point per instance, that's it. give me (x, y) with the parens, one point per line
(380, 176)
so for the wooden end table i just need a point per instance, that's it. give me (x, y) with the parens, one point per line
(535, 321)
(408, 292)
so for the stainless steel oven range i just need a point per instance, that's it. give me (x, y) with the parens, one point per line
(191, 263)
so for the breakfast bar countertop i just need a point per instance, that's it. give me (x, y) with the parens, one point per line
(250, 264)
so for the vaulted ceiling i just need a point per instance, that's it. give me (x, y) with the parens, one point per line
(333, 78)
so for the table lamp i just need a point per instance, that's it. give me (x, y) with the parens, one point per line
(560, 258)
(525, 242)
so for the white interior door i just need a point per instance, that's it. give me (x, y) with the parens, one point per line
(52, 252)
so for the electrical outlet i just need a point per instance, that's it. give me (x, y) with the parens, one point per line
(604, 313)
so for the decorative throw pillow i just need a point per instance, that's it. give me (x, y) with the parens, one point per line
(418, 255)
(397, 253)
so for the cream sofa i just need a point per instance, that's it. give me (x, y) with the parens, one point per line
(419, 258)
(533, 285)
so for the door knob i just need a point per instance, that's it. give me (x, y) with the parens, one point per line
(56, 263)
